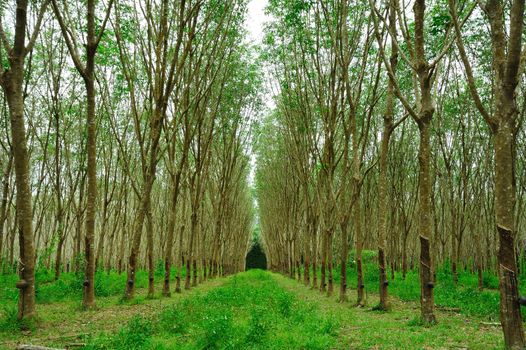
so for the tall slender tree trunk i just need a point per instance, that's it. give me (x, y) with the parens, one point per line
(169, 245)
(190, 253)
(180, 257)
(291, 259)
(137, 235)
(427, 285)
(3, 206)
(425, 113)
(382, 213)
(145, 199)
(124, 229)
(505, 197)
(12, 237)
(102, 234)
(58, 259)
(78, 232)
(12, 81)
(314, 237)
(88, 74)
(383, 176)
(306, 249)
(176, 183)
(110, 255)
(150, 257)
(323, 283)
(59, 217)
(360, 287)
(330, 287)
(454, 260)
(15, 100)
(88, 300)
(343, 263)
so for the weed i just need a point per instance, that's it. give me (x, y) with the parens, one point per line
(8, 318)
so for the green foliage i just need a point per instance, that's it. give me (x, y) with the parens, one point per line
(259, 325)
(8, 292)
(464, 295)
(8, 318)
(135, 335)
(251, 311)
(416, 322)
(9, 321)
(216, 330)
(172, 320)
(67, 287)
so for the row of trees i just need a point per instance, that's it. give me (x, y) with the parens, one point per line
(126, 129)
(397, 127)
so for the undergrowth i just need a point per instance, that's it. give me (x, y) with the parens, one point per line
(250, 311)
(67, 288)
(464, 297)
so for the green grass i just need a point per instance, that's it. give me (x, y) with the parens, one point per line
(400, 328)
(251, 311)
(464, 295)
(69, 286)
(67, 289)
(260, 310)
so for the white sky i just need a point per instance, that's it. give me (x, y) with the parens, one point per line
(255, 19)
(254, 24)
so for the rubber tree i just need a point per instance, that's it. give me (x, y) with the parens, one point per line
(506, 31)
(87, 71)
(424, 72)
(12, 81)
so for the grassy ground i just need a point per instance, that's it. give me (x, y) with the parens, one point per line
(362, 328)
(252, 310)
(63, 322)
(464, 295)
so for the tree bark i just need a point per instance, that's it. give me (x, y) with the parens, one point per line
(137, 231)
(15, 100)
(505, 197)
(343, 263)
(383, 175)
(506, 51)
(12, 80)
(149, 253)
(427, 302)
(314, 237)
(3, 206)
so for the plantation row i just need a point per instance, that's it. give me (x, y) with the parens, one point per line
(398, 127)
(156, 136)
(464, 296)
(254, 310)
(125, 140)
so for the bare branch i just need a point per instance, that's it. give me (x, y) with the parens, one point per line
(104, 23)
(3, 37)
(73, 50)
(390, 71)
(467, 67)
(36, 30)
(446, 48)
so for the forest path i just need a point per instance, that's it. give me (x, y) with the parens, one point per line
(63, 323)
(363, 328)
(251, 310)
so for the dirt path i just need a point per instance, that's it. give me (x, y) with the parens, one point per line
(64, 323)
(362, 328)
